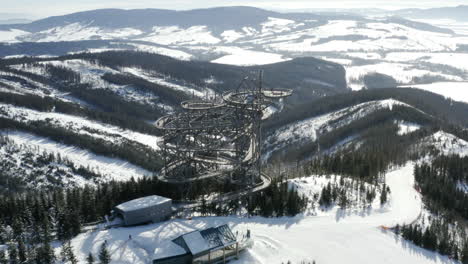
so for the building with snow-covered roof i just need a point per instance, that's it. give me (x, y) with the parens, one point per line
(152, 208)
(212, 245)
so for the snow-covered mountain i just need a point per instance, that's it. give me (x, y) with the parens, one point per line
(97, 111)
(409, 52)
(146, 86)
(70, 119)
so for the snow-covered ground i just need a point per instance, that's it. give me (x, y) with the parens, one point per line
(108, 168)
(308, 129)
(407, 127)
(239, 56)
(336, 237)
(402, 72)
(29, 86)
(78, 31)
(92, 73)
(79, 125)
(164, 51)
(170, 35)
(11, 35)
(446, 143)
(408, 54)
(457, 91)
(165, 81)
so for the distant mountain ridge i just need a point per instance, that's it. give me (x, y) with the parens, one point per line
(459, 13)
(15, 21)
(455, 12)
(218, 18)
(145, 19)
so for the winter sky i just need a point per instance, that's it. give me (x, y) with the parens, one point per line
(43, 8)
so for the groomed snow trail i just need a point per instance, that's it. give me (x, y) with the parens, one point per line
(336, 237)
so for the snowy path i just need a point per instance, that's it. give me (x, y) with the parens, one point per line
(336, 237)
(342, 238)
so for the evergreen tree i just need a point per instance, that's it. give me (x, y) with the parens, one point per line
(12, 253)
(45, 253)
(90, 258)
(22, 251)
(464, 254)
(326, 196)
(383, 195)
(3, 259)
(67, 253)
(429, 241)
(343, 202)
(104, 257)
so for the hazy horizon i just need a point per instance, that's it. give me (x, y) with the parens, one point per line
(33, 10)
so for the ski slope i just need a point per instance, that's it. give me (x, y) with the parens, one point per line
(335, 237)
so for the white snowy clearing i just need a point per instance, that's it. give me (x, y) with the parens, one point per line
(11, 35)
(79, 125)
(171, 35)
(109, 168)
(402, 72)
(79, 31)
(336, 237)
(244, 57)
(160, 79)
(164, 51)
(407, 127)
(457, 91)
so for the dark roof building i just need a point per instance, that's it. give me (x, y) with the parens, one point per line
(212, 245)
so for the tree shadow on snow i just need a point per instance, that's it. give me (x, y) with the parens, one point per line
(416, 250)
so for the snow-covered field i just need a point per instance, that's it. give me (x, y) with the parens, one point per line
(402, 72)
(170, 35)
(79, 125)
(108, 168)
(457, 91)
(239, 56)
(11, 35)
(78, 31)
(165, 81)
(276, 240)
(407, 127)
